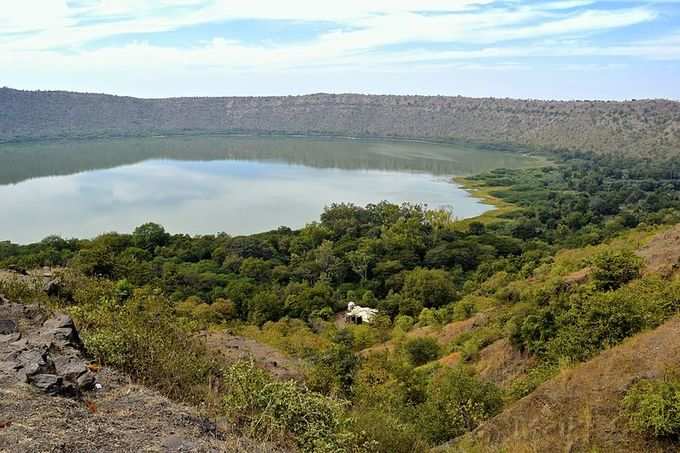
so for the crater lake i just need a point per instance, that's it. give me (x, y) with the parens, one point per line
(224, 183)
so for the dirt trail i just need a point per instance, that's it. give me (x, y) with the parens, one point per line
(233, 348)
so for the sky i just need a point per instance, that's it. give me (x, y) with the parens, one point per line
(552, 49)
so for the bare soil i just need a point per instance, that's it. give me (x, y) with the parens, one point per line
(232, 348)
(662, 252)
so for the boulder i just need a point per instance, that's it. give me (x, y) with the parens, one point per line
(86, 381)
(61, 332)
(46, 353)
(48, 383)
(31, 362)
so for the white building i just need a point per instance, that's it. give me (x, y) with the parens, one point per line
(359, 315)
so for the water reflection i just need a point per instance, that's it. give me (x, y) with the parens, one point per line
(203, 185)
(23, 161)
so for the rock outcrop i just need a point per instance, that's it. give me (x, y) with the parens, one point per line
(45, 352)
(48, 402)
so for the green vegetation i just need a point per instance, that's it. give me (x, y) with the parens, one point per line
(443, 288)
(653, 407)
(422, 350)
(274, 410)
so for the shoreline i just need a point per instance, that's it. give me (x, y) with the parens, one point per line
(483, 193)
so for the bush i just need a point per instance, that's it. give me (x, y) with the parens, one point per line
(422, 350)
(457, 402)
(273, 410)
(389, 434)
(144, 339)
(612, 270)
(653, 407)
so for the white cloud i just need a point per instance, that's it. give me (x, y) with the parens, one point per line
(46, 38)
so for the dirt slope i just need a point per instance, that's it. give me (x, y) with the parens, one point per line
(662, 252)
(579, 410)
(232, 348)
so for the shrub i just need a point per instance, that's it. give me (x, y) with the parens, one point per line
(422, 350)
(596, 322)
(144, 339)
(387, 433)
(457, 402)
(612, 269)
(464, 309)
(653, 407)
(273, 410)
(224, 309)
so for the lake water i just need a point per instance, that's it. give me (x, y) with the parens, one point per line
(232, 184)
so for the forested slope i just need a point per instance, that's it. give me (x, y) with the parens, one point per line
(636, 128)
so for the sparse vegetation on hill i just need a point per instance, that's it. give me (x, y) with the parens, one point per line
(648, 128)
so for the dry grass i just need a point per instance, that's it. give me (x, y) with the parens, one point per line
(579, 410)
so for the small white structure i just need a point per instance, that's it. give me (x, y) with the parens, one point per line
(359, 315)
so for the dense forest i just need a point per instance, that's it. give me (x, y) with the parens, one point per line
(633, 128)
(141, 298)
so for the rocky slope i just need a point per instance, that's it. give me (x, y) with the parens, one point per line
(649, 127)
(52, 399)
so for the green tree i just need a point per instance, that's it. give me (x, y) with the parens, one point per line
(422, 350)
(612, 269)
(149, 236)
(430, 287)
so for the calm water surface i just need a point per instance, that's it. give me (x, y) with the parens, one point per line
(232, 184)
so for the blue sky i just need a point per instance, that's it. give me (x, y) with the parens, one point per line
(560, 49)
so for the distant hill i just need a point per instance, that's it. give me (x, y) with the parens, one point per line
(641, 128)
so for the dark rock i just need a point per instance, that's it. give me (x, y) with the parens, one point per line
(3, 299)
(45, 354)
(86, 381)
(34, 361)
(60, 332)
(7, 326)
(48, 383)
(71, 368)
(54, 287)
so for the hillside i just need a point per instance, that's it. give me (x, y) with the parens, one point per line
(580, 410)
(53, 399)
(646, 127)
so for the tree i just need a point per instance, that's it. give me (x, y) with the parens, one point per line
(149, 236)
(422, 350)
(360, 262)
(431, 287)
